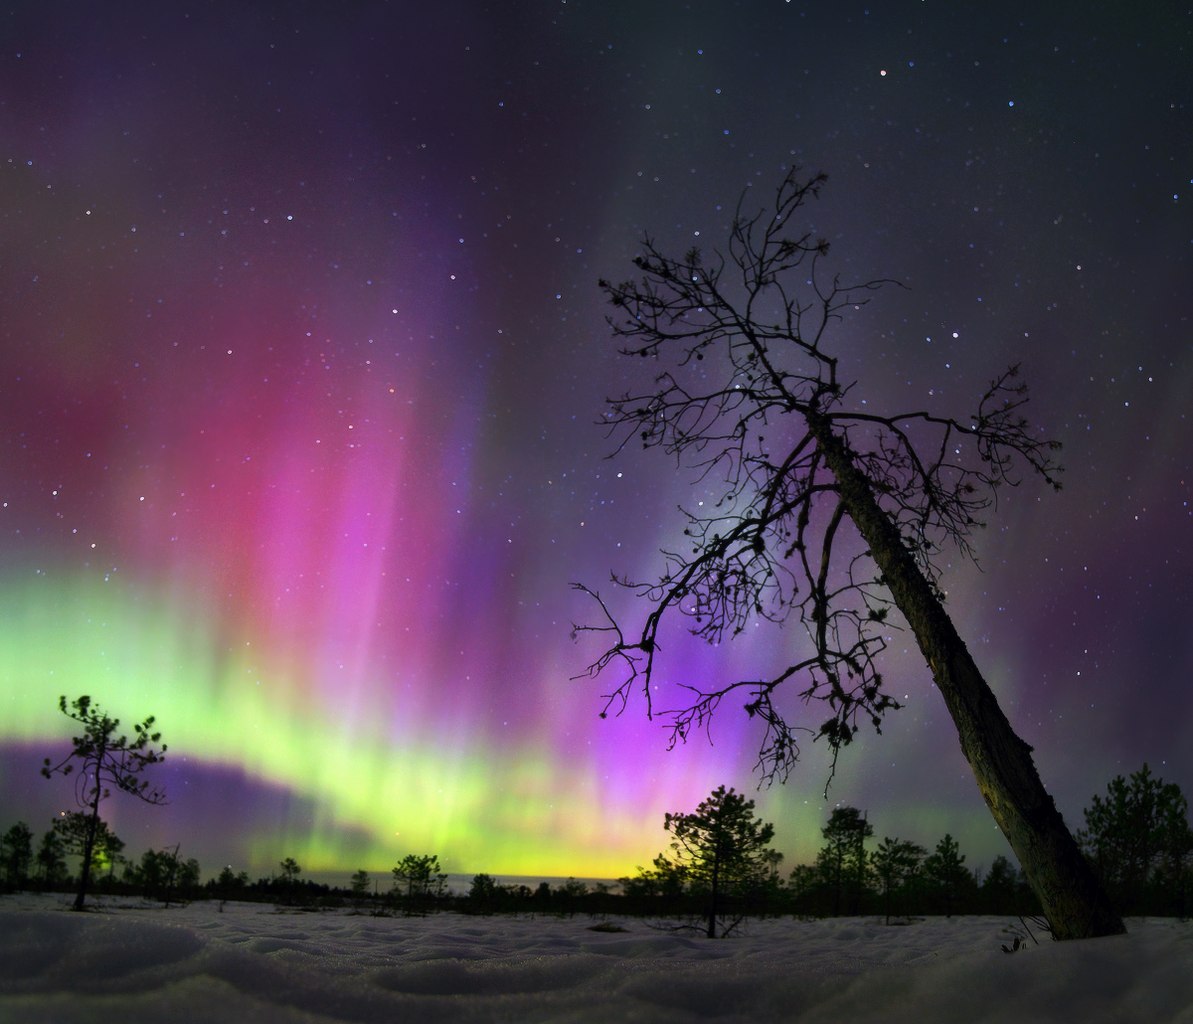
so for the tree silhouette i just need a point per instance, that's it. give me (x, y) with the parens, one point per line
(483, 893)
(360, 883)
(16, 853)
(77, 828)
(105, 759)
(721, 849)
(570, 895)
(228, 882)
(829, 512)
(945, 868)
(291, 872)
(1000, 884)
(112, 853)
(895, 862)
(50, 857)
(664, 878)
(421, 878)
(162, 873)
(1138, 835)
(842, 860)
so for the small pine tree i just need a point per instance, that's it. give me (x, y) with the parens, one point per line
(1000, 885)
(483, 894)
(421, 878)
(188, 875)
(895, 862)
(945, 868)
(156, 873)
(106, 759)
(842, 860)
(291, 870)
(228, 881)
(722, 848)
(1139, 841)
(51, 859)
(16, 850)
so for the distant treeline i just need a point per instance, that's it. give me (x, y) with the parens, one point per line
(1137, 837)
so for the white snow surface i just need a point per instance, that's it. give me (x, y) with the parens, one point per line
(257, 963)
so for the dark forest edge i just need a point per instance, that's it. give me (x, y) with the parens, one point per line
(1137, 836)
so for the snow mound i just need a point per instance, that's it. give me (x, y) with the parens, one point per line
(249, 962)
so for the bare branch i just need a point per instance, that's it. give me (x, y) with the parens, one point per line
(741, 340)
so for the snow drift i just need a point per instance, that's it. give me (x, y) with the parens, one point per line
(253, 962)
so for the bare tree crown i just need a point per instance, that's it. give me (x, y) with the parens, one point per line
(748, 394)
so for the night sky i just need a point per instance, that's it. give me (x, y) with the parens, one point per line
(302, 358)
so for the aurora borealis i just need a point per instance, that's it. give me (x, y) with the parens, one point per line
(302, 354)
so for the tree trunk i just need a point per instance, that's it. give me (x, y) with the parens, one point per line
(838, 881)
(1072, 899)
(88, 848)
(714, 894)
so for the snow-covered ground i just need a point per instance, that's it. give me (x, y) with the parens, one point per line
(252, 963)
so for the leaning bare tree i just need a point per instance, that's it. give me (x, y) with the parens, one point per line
(828, 512)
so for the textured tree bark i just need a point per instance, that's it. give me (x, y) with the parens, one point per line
(1071, 896)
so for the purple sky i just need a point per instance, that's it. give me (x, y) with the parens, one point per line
(301, 352)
